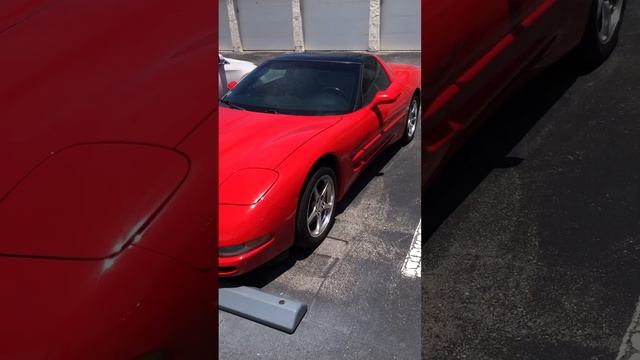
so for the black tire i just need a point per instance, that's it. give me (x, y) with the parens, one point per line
(304, 237)
(593, 49)
(408, 136)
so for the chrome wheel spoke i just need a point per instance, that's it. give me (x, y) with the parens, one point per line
(313, 215)
(314, 230)
(323, 193)
(599, 13)
(606, 18)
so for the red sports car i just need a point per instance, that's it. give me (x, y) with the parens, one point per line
(294, 135)
(107, 209)
(477, 52)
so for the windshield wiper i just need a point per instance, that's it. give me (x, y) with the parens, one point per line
(232, 105)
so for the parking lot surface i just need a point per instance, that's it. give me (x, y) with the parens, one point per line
(531, 242)
(361, 302)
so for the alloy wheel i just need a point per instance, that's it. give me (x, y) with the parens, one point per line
(608, 19)
(321, 206)
(412, 118)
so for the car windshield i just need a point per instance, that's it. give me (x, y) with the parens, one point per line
(298, 88)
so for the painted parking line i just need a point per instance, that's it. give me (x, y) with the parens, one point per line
(412, 265)
(630, 347)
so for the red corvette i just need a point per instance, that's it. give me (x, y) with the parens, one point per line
(477, 52)
(107, 211)
(294, 135)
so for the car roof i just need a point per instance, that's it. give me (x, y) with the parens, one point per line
(345, 57)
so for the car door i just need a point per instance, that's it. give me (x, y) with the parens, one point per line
(456, 35)
(546, 29)
(472, 52)
(389, 114)
(371, 120)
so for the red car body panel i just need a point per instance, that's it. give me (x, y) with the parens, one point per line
(107, 213)
(290, 146)
(482, 52)
(153, 173)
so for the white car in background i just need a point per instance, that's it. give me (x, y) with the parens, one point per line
(231, 70)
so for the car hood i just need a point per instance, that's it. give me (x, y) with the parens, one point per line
(261, 140)
(101, 309)
(95, 98)
(78, 72)
(88, 201)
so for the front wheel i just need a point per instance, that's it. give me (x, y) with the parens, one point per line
(603, 30)
(411, 124)
(316, 208)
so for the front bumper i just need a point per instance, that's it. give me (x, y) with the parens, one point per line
(240, 224)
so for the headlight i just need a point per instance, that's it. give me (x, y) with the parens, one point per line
(234, 250)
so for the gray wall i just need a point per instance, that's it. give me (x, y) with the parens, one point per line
(265, 24)
(335, 24)
(400, 25)
(326, 24)
(224, 36)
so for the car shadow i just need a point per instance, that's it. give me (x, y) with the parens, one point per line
(489, 147)
(369, 173)
(267, 273)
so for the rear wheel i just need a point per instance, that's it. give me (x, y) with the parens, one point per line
(603, 30)
(316, 208)
(411, 124)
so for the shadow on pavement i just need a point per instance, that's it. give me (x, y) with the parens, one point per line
(488, 149)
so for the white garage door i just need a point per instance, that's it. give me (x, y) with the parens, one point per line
(400, 25)
(265, 24)
(224, 36)
(335, 24)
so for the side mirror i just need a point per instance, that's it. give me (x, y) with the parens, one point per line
(385, 97)
(231, 84)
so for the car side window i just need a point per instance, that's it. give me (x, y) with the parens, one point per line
(374, 79)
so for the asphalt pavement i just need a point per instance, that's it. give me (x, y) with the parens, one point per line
(531, 238)
(361, 305)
